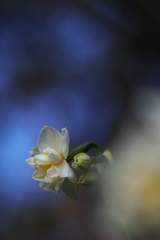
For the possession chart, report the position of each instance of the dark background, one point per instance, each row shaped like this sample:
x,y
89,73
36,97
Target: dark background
x,y
73,64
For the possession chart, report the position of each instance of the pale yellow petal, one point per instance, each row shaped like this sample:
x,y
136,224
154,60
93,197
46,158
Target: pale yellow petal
x,y
31,162
39,175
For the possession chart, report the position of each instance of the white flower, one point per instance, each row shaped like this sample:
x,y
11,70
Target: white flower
x,y
49,158
132,185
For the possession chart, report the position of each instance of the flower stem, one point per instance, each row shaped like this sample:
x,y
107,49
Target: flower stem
x,y
127,235
83,148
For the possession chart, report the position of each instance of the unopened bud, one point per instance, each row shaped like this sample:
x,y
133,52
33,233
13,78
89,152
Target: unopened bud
x,y
82,161
108,155
88,178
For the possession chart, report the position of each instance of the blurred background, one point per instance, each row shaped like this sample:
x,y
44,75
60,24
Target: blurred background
x,y
75,64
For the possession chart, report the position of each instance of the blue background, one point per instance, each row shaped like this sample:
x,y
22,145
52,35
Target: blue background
x,y
73,64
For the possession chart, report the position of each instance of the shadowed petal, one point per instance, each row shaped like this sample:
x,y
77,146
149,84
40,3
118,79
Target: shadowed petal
x,y
73,177
47,179
52,173
39,175
49,138
44,186
56,184
34,151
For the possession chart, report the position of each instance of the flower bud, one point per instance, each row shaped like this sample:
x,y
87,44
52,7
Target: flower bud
x,y
88,178
82,161
108,155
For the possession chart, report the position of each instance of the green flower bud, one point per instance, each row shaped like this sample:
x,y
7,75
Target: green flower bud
x,y
82,161
88,178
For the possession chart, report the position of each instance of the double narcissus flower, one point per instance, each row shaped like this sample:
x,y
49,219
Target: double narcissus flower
x,y
48,157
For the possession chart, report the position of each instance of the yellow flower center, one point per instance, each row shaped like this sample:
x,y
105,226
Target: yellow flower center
x,y
55,163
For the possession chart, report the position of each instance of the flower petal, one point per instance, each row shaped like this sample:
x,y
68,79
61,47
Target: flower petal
x,y
41,157
34,151
39,175
41,163
44,185
31,162
64,170
41,160
73,178
50,150
65,142
56,184
52,173
54,156
49,138
47,179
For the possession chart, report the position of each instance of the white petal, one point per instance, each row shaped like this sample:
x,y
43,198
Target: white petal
x,y
31,162
41,163
34,151
54,160
73,178
44,186
65,142
64,169
47,179
42,157
54,156
56,184
49,138
52,173
50,150
39,175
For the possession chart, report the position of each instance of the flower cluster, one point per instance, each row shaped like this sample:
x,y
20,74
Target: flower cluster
x,y
50,157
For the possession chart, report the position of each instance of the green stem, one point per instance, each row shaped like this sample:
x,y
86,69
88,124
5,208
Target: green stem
x,y
127,235
83,148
